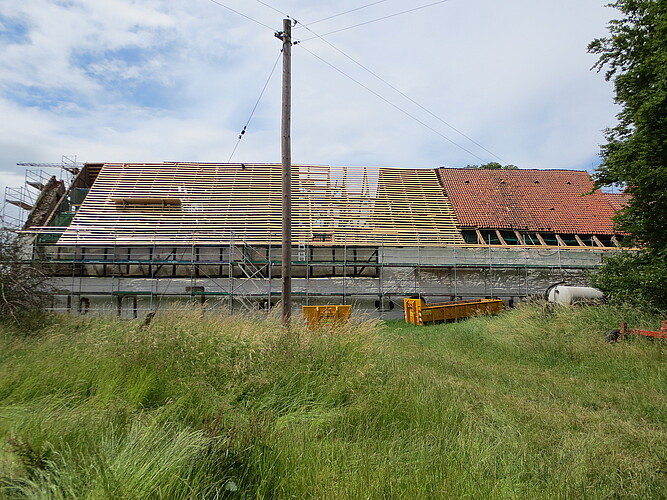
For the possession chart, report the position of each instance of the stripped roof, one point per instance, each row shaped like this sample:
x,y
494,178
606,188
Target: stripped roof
x,y
213,203
530,200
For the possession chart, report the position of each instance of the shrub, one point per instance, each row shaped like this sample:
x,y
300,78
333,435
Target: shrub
x,y
23,284
638,278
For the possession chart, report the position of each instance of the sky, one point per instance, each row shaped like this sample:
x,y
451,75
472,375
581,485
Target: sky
x,y
457,82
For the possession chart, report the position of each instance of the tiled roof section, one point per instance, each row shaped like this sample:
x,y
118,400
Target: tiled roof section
x,y
530,200
617,200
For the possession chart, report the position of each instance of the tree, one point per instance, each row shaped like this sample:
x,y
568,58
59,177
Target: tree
x,y
494,165
635,155
637,278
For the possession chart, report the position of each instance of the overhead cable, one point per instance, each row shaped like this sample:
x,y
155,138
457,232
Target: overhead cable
x,y
346,12
404,95
378,19
243,131
273,8
241,14
395,106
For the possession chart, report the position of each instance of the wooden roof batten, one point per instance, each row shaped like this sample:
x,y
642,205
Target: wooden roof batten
x,y
213,203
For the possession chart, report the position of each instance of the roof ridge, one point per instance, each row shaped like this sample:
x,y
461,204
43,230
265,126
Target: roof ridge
x,y
473,169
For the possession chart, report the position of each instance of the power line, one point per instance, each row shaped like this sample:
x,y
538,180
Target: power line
x,y
273,9
346,12
395,106
359,64
243,131
378,19
242,15
405,95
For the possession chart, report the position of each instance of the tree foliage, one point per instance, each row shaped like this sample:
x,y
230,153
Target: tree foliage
x,y
494,165
637,278
635,155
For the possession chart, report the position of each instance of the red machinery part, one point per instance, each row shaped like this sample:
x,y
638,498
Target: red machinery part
x,y
660,334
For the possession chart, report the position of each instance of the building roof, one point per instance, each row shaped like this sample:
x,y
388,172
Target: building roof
x,y
617,200
212,203
531,200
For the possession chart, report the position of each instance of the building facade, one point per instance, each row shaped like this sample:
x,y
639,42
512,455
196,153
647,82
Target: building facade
x,y
134,237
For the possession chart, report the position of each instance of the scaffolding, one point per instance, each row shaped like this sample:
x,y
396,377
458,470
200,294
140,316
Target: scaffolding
x,y
134,238
19,201
132,280
17,204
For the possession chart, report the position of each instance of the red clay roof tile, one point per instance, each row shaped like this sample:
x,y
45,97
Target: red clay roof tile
x,y
530,200
617,200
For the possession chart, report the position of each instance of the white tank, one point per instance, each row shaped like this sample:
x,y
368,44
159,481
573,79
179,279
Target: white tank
x,y
569,295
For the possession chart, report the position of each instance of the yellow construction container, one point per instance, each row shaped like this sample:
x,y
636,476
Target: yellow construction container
x,y
418,312
316,315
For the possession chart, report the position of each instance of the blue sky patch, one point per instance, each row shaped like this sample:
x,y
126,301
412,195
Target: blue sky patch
x,y
31,96
13,31
148,93
141,89
129,56
588,165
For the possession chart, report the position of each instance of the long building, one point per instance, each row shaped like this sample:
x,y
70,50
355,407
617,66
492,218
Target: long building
x,y
132,237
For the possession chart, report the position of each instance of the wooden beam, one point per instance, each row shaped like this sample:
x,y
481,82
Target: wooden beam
x,y
355,205
480,238
147,201
20,204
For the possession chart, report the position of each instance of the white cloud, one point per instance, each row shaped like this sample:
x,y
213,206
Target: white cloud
x,y
119,80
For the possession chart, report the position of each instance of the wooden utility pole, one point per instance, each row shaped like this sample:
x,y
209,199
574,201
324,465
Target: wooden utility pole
x,y
286,268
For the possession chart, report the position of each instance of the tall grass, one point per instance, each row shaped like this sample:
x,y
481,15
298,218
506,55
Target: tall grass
x,y
105,409
530,404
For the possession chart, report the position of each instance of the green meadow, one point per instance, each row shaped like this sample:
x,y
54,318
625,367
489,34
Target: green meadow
x,y
529,404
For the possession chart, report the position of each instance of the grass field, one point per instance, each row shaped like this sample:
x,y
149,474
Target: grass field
x,y
529,404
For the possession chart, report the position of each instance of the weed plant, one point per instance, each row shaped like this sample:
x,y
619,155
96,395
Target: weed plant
x,y
529,404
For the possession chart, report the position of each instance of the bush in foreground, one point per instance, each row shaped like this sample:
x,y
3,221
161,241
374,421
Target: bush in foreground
x,y
635,277
23,284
